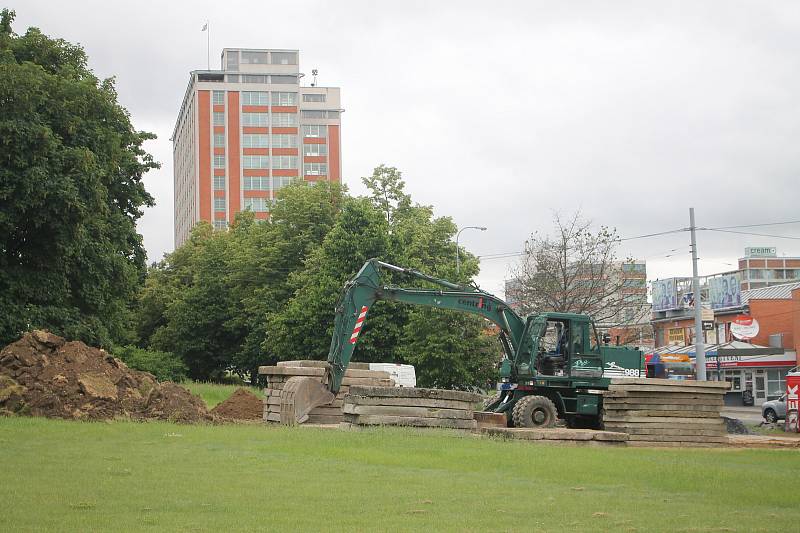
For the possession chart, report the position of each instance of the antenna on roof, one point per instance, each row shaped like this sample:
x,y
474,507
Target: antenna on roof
x,y
314,73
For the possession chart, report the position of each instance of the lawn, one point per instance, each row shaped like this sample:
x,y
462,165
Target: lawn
x,y
122,476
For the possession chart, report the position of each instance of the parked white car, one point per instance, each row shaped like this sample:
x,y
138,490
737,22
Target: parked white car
x,y
774,410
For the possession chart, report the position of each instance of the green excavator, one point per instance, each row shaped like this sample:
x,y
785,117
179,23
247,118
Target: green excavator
x,y
554,365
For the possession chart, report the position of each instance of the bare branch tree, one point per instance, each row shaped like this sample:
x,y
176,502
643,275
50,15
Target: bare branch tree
x,y
576,270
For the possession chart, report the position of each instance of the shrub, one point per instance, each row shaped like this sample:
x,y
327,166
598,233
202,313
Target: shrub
x,y
165,366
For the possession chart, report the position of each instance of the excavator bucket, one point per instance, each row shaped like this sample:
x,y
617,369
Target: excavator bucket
x,y
299,396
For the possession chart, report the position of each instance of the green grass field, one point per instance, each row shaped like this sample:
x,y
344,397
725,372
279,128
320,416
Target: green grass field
x,y
121,476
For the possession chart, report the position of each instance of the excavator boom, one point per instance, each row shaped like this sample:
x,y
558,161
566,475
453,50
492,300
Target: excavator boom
x,y
302,394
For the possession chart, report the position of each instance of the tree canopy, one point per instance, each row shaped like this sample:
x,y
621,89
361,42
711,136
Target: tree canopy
x,y
265,291
71,168
576,269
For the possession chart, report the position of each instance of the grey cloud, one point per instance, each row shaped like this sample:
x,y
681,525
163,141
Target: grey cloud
x,y
498,115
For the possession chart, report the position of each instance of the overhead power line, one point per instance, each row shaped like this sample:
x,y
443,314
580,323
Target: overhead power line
x,y
751,233
756,225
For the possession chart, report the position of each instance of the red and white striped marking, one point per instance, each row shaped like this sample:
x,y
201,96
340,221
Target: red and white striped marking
x,y
359,324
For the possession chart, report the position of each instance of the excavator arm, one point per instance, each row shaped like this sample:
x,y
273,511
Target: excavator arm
x,y
357,297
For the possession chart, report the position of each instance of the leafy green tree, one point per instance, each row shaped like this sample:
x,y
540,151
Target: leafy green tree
x,y
303,328
265,255
164,366
71,167
208,301
449,349
386,187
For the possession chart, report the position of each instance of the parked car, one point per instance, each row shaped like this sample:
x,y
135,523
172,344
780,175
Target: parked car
x,y
774,410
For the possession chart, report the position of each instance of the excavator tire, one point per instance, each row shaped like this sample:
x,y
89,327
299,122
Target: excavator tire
x,y
534,412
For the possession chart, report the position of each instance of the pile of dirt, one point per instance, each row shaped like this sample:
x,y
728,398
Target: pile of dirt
x,y
242,405
44,375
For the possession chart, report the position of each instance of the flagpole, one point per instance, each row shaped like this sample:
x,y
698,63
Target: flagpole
x,y
208,45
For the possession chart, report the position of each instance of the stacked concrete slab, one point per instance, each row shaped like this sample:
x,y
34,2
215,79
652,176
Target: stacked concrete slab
x,y
276,376
374,406
662,412
578,437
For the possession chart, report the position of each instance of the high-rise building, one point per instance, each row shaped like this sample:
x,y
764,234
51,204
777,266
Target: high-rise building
x,y
247,130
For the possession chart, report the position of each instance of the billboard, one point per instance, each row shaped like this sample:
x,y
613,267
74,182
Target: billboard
x,y
665,294
725,291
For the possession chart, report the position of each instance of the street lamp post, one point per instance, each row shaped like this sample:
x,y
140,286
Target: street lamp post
x,y
458,264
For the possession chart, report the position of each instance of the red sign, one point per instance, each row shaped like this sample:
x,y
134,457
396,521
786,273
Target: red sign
x,y
792,393
744,327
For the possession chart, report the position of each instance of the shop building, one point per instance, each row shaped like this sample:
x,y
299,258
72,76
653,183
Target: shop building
x,y
752,344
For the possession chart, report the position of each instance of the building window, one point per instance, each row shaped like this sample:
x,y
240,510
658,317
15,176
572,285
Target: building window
x,y
220,224
284,140
254,58
255,161
260,120
284,98
219,118
634,267
756,274
219,203
284,119
279,182
639,283
255,183
259,140
232,78
319,113
219,140
313,113
284,161
257,205
315,130
283,80
219,183
233,60
776,383
315,169
218,98
254,78
255,98
219,161
317,149
284,58
314,97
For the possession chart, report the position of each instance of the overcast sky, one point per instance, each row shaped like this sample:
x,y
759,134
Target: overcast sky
x,y
501,114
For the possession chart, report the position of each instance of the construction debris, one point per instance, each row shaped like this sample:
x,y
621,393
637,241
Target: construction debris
x,y
44,375
375,406
277,376
585,437
242,405
661,412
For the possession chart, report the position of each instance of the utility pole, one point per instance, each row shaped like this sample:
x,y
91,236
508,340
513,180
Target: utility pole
x,y
699,346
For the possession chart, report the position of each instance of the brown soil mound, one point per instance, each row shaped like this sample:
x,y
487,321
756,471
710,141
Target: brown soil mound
x,y
44,375
242,405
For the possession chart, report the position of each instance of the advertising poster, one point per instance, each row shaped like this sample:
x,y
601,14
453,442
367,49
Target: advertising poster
x,y
665,294
725,291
